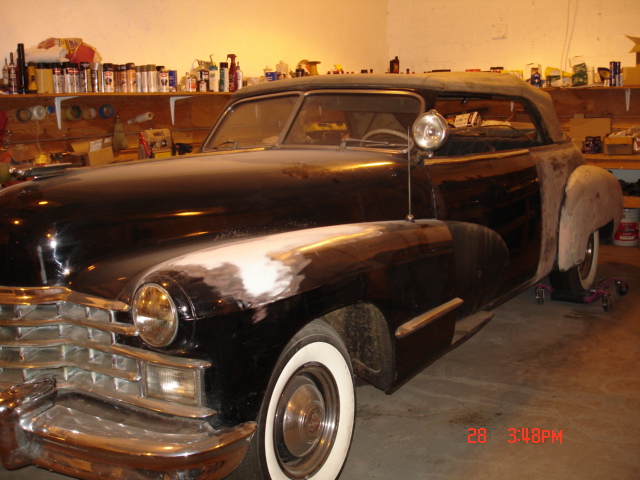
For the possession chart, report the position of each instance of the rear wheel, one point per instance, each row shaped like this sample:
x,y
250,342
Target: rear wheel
x,y
580,278
306,421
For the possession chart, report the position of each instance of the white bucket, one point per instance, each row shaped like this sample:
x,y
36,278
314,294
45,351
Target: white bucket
x,y
627,234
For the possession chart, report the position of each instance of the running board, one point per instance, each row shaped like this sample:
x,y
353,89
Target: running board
x,y
469,326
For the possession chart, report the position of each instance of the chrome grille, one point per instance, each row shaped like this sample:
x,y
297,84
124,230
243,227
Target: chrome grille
x,y
76,343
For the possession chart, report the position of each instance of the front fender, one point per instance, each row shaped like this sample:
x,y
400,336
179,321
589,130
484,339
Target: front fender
x,y
252,273
593,198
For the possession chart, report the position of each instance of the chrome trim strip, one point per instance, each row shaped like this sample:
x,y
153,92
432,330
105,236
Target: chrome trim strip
x,y
419,322
475,157
114,327
41,295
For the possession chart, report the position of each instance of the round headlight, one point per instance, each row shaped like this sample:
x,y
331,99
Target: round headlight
x,y
155,315
430,130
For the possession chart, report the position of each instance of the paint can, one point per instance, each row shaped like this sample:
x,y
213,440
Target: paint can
x,y
627,234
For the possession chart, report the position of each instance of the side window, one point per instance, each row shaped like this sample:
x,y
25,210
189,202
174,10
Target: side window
x,y
484,125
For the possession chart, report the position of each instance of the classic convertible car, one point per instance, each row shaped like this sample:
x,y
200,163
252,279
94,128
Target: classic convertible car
x,y
205,316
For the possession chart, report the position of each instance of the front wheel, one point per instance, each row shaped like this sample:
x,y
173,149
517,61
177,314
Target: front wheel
x,y
307,418
581,277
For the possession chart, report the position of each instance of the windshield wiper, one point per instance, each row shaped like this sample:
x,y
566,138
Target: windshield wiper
x,y
344,141
369,143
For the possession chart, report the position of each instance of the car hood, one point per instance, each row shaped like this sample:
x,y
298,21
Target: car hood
x,y
53,228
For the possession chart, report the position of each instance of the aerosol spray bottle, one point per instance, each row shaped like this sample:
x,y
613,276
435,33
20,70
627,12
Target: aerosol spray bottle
x,y
233,84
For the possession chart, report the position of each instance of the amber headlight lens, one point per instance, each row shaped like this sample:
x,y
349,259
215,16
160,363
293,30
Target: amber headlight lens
x,y
155,315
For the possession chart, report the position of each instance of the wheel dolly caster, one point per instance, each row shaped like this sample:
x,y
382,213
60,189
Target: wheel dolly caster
x,y
598,291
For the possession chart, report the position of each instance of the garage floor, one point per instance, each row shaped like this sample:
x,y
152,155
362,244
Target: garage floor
x,y
569,370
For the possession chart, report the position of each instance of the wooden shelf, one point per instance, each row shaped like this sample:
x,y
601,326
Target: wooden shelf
x,y
631,202
192,117
613,162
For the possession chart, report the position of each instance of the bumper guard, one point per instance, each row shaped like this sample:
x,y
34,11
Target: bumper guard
x,y
37,429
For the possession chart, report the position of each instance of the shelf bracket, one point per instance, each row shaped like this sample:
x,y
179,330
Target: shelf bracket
x,y
58,102
627,97
172,106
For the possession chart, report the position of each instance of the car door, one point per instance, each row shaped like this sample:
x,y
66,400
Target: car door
x,y
485,174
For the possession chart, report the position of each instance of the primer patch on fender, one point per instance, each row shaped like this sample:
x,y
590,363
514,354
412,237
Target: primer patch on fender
x,y
264,269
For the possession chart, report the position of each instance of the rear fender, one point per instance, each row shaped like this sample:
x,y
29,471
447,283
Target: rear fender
x,y
593,198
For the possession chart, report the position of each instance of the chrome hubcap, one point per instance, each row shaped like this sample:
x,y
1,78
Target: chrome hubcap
x,y
585,267
306,421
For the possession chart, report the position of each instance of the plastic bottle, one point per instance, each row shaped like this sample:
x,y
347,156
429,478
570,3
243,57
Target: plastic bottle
x,y
224,77
214,80
5,73
394,65
189,82
269,74
13,75
239,77
282,69
233,85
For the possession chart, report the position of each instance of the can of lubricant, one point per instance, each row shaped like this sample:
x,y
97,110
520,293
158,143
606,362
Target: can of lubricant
x,y
173,80
616,76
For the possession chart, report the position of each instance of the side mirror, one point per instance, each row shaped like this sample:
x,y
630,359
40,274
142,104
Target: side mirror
x,y
430,131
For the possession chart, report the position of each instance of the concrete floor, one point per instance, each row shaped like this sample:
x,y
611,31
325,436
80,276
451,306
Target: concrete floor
x,y
567,368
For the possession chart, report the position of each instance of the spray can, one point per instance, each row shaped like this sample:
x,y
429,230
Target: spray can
x,y
108,78
173,81
58,80
96,77
163,78
152,79
214,79
224,77
130,75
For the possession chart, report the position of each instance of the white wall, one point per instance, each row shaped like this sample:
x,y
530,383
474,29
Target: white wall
x,y
458,34
174,33
425,34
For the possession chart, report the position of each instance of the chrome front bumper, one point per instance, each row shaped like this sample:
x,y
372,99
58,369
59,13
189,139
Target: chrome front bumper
x,y
89,438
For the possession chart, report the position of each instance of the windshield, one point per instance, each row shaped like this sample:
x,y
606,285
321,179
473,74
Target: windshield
x,y
253,124
380,119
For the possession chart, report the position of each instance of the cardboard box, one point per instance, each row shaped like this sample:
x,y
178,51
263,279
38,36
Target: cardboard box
x,y
97,152
631,75
581,128
618,145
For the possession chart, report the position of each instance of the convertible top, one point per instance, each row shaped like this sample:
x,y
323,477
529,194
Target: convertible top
x,y
454,82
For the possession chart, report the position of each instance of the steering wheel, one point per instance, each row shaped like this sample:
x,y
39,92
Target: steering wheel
x,y
387,131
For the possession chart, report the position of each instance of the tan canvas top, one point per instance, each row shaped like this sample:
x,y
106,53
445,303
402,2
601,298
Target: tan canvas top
x,y
455,82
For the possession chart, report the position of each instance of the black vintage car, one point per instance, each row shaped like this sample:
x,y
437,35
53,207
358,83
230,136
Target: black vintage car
x,y
204,316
